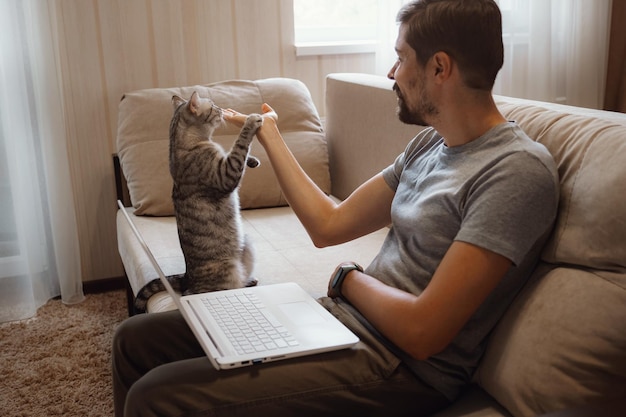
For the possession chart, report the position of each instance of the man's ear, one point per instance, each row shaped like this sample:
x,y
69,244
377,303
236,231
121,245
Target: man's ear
x,y
442,65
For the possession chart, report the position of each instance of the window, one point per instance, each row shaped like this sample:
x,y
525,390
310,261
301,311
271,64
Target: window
x,y
342,26
554,50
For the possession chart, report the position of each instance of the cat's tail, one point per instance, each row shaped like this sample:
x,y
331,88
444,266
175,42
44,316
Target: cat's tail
x,y
155,286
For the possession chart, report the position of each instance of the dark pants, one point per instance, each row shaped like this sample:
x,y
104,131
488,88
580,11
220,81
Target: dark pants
x,y
160,370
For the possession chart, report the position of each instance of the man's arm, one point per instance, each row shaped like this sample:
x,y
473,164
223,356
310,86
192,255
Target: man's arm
x,y
424,325
327,223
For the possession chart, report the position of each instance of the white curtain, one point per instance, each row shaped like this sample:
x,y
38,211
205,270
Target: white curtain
x,y
387,34
555,50
39,255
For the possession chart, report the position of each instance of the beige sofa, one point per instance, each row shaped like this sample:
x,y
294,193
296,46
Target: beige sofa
x,y
562,344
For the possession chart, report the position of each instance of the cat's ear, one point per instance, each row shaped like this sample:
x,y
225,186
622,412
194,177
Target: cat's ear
x,y
177,101
194,103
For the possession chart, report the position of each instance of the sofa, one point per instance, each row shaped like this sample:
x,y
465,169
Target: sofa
x,y
561,346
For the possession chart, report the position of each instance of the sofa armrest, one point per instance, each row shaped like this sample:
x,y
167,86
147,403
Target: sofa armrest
x,y
363,132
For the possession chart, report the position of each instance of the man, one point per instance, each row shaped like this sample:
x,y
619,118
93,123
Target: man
x,y
471,202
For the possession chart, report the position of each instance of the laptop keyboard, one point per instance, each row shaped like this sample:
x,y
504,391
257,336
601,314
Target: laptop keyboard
x,y
249,326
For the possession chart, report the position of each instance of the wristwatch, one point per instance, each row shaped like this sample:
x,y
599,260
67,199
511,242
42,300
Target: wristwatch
x,y
341,273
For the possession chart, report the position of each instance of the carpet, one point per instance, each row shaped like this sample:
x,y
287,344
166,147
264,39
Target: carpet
x,y
59,362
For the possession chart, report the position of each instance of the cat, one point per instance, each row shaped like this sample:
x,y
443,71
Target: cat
x,y
218,254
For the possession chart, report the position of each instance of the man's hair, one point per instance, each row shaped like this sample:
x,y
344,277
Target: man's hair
x,y
470,31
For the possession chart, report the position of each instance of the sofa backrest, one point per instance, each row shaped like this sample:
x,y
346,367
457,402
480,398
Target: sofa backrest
x,y
143,139
363,132
589,147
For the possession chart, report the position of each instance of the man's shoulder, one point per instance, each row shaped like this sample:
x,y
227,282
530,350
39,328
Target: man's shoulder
x,y
519,145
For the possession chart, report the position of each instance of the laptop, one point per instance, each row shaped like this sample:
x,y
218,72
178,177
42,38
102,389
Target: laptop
x,y
254,325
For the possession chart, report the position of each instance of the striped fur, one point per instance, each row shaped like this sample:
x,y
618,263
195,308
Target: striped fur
x,y
206,178
218,255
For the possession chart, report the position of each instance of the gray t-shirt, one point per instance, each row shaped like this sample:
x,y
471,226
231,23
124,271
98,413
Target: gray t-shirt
x,y
499,192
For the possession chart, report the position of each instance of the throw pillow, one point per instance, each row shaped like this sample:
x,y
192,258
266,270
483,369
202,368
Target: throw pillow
x,y
143,139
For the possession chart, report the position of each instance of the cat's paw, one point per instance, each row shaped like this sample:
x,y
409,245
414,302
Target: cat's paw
x,y
252,282
254,121
252,161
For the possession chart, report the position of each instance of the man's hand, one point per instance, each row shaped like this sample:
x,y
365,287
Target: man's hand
x,y
238,119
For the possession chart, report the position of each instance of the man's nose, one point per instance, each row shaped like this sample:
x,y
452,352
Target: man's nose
x,y
392,72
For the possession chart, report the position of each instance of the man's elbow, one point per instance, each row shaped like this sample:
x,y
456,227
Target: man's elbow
x,y
322,240
421,351
421,354
319,242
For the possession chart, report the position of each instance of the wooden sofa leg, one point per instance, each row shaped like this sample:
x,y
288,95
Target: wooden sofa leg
x,y
130,299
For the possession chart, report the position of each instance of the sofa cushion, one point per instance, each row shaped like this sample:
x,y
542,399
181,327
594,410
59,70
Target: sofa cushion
x,y
589,147
473,402
283,251
143,139
561,344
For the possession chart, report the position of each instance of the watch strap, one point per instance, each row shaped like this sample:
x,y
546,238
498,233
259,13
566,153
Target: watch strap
x,y
341,274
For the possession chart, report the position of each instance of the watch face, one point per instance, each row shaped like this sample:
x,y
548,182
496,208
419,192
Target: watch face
x,y
337,277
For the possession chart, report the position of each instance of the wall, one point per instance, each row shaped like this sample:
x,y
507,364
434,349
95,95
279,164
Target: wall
x,y
109,47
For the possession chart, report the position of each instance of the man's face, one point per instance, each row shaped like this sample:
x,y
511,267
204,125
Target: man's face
x,y
414,103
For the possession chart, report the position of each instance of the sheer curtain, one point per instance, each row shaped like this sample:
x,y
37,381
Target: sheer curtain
x,y
387,34
555,50
39,255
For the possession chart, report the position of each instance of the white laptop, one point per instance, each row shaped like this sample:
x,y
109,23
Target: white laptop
x,y
277,321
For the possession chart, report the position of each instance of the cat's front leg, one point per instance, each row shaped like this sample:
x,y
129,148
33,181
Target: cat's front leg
x,y
252,124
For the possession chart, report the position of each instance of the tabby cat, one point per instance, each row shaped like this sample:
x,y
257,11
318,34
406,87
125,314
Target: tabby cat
x,y
218,255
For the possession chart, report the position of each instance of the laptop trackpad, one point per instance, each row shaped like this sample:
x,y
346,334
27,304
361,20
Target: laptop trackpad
x,y
301,313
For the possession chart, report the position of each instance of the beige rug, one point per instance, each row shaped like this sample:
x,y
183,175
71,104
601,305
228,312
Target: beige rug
x,y
59,362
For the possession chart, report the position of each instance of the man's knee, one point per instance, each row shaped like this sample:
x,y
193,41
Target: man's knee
x,y
123,330
126,335
141,398
164,391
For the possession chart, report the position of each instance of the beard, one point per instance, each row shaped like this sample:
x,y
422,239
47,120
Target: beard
x,y
418,116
